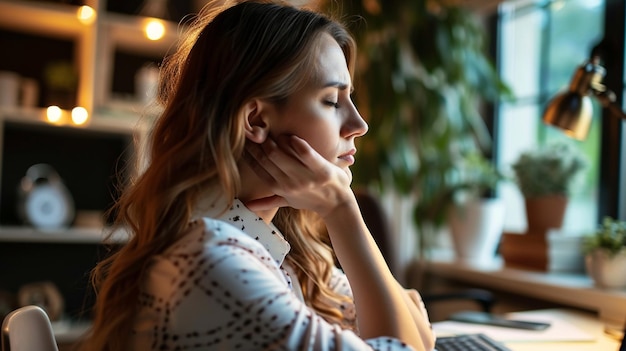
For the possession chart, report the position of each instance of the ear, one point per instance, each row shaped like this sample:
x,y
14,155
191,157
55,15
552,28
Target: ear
x,y
256,121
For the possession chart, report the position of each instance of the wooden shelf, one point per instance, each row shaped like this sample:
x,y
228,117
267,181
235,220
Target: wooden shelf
x,y
570,289
68,236
37,116
40,17
127,32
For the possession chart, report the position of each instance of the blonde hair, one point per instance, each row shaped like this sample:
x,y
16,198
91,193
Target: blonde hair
x,y
254,49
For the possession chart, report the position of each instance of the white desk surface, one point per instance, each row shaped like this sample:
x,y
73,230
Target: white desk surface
x,y
571,324
590,331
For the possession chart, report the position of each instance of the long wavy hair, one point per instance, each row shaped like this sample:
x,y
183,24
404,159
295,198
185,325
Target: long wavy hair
x,y
228,55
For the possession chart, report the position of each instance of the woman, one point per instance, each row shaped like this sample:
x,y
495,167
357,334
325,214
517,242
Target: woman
x,y
246,181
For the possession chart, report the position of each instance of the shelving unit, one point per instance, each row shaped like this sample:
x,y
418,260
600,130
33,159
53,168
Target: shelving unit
x,y
65,256
95,41
95,45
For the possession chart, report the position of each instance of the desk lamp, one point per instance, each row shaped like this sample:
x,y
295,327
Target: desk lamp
x,y
571,111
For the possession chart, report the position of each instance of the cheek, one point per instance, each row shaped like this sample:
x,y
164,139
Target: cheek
x,y
314,126
323,139
319,136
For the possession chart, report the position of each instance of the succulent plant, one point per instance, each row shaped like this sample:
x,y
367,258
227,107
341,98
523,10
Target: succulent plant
x,y
549,170
610,235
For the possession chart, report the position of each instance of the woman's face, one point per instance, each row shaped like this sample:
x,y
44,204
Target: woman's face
x,y
322,113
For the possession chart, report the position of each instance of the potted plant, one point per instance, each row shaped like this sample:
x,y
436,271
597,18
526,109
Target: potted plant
x,y
423,74
605,254
545,177
476,218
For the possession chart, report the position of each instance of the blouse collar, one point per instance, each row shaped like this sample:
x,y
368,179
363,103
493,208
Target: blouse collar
x,y
247,221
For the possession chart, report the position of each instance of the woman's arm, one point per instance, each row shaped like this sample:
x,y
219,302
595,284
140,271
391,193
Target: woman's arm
x,y
383,306
299,177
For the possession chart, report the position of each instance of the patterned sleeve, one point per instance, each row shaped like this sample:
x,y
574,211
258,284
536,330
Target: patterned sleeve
x,y
340,284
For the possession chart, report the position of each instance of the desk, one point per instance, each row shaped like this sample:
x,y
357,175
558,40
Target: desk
x,y
585,321
572,290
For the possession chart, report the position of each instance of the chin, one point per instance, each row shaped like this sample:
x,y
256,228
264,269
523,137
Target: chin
x,y
349,173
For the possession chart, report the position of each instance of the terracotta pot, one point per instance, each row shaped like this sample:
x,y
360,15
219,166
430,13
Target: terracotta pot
x,y
607,271
544,213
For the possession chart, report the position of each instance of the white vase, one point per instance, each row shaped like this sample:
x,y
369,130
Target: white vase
x,y
607,271
476,228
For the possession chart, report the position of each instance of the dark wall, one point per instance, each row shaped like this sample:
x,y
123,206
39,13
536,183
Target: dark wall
x,y
92,164
66,265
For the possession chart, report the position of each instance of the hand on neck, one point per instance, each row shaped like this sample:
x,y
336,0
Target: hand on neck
x,y
253,189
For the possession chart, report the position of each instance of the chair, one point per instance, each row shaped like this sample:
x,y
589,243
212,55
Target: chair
x,y
376,220
28,328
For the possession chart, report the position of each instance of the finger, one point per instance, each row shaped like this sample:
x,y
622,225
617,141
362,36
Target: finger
x,y
282,153
276,167
266,203
315,166
261,164
301,150
281,160
252,161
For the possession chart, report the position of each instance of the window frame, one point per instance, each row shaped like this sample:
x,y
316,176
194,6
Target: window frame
x,y
611,198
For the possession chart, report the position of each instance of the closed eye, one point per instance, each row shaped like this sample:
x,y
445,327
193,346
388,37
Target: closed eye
x,y
332,103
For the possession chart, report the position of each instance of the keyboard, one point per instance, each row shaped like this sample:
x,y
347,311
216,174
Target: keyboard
x,y
469,342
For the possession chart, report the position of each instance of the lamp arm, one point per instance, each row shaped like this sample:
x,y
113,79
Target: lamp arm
x,y
607,99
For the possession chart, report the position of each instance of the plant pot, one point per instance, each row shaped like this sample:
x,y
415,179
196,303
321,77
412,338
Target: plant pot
x,y
476,227
607,271
544,213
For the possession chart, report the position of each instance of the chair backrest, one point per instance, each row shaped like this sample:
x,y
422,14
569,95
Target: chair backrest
x,y
28,328
377,222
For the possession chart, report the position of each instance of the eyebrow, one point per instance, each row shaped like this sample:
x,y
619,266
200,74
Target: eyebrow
x,y
339,85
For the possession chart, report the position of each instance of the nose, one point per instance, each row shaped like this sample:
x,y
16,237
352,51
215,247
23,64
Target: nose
x,y
354,125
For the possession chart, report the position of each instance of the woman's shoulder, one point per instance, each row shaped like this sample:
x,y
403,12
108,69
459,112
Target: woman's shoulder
x,y
209,232
207,241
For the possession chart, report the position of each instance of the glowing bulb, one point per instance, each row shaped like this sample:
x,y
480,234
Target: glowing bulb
x,y
86,14
79,115
154,29
53,114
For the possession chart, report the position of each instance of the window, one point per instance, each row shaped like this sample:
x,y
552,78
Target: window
x,y
540,45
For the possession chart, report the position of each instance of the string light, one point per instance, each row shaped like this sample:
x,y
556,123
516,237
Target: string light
x,y
86,14
54,114
154,29
79,115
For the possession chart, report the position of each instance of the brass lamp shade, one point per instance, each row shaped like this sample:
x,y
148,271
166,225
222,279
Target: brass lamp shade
x,y
570,112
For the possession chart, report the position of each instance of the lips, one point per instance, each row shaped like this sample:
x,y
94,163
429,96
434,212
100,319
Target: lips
x,y
348,157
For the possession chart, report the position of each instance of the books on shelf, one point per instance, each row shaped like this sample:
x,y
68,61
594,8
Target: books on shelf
x,y
524,250
553,251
